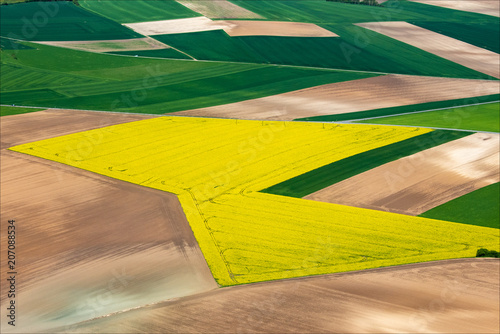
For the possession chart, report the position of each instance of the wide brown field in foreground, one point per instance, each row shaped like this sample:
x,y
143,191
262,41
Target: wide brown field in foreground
x,y
465,54
488,7
422,181
350,96
453,296
88,245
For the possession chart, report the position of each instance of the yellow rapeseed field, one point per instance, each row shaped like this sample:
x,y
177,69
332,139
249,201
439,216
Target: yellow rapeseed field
x,y
217,168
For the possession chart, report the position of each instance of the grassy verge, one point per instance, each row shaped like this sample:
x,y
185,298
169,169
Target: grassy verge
x,y
327,175
480,207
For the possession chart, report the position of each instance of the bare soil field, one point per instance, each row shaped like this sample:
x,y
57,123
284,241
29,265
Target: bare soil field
x,y
488,7
177,26
453,296
219,9
88,245
351,96
465,54
25,128
136,44
274,28
422,181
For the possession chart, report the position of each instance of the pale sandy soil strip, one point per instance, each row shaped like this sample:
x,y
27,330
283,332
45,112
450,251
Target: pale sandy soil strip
x,y
25,128
274,28
454,296
488,7
422,181
232,28
136,44
465,54
351,96
177,26
219,9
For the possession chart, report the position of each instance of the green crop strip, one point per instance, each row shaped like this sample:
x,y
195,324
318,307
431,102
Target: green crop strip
x,y
337,171
479,207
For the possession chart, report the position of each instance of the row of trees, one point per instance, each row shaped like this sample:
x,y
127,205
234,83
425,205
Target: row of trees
x,y
11,2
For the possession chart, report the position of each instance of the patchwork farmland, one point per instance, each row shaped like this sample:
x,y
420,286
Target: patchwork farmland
x,y
249,166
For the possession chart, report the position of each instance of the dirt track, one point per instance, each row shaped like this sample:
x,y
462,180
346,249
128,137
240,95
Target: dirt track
x,y
422,181
454,296
357,95
88,245
465,54
488,7
25,128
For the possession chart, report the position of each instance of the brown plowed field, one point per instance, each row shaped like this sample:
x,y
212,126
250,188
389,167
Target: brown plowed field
x,y
274,28
136,44
350,96
88,245
465,54
25,128
422,181
454,296
488,7
219,9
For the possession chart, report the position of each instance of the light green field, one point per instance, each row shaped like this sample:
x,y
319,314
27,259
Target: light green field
x,y
6,111
46,76
130,11
484,117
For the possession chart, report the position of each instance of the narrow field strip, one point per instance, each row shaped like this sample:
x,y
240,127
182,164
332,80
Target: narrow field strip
x,y
326,176
337,101
487,7
468,55
419,182
219,9
217,167
145,43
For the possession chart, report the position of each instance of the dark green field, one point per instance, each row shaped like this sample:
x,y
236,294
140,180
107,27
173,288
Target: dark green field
x,y
402,109
480,207
64,78
129,11
484,117
58,21
382,54
337,171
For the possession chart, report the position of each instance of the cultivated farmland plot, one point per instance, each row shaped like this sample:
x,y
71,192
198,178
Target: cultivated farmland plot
x,y
249,166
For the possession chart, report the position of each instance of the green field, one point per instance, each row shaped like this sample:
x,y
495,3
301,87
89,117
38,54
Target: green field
x,y
483,35
6,111
108,82
402,109
484,117
129,11
58,21
162,53
337,171
480,207
382,54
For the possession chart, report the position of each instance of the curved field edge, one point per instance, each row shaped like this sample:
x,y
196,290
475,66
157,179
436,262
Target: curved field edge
x,y
337,171
428,106
480,207
247,236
